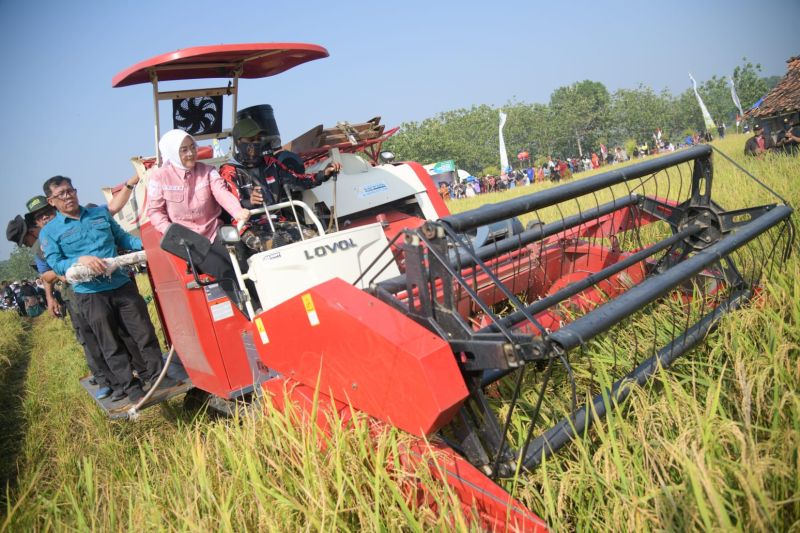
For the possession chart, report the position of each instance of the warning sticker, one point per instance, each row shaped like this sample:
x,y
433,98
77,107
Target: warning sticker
x,y
313,319
221,311
261,331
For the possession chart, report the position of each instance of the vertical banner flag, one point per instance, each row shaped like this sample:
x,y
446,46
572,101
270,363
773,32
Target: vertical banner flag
x,y
735,97
503,155
709,122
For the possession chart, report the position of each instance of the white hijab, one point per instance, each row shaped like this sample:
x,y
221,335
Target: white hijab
x,y
170,145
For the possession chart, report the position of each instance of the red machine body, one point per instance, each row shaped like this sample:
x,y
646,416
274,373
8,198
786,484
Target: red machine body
x,y
349,349
335,342
344,348
332,348
206,347
362,352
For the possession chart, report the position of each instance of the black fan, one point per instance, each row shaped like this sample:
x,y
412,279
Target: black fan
x,y
198,116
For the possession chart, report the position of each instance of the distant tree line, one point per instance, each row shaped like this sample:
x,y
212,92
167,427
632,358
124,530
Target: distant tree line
x,y
18,265
577,119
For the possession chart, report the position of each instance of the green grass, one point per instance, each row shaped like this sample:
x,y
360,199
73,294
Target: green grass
x,y
184,470
711,444
14,360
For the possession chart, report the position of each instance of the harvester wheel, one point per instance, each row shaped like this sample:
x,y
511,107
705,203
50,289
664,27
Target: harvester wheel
x,y
195,399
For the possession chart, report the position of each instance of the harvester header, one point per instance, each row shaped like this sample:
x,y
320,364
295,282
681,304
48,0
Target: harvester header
x,y
485,333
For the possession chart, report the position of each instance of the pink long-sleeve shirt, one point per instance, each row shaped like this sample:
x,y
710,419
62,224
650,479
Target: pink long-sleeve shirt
x,y
193,198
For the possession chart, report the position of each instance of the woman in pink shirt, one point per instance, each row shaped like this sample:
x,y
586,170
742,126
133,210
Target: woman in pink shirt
x,y
192,194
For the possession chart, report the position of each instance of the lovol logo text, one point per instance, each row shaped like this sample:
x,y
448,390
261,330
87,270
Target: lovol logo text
x,y
322,251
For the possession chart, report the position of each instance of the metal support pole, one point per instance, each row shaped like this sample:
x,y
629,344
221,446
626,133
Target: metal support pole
x,y
154,81
235,97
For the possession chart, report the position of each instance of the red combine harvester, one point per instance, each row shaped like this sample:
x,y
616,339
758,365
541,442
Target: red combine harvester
x,y
469,331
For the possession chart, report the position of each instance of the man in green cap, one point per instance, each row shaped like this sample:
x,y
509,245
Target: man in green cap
x,y
40,213
24,230
37,207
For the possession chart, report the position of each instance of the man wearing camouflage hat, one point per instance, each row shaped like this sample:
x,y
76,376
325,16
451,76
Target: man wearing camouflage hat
x,y
39,213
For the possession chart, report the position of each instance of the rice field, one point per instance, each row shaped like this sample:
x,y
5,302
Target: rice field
x,y
711,444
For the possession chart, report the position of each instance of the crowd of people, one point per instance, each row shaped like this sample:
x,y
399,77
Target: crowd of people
x,y
554,169
785,141
26,297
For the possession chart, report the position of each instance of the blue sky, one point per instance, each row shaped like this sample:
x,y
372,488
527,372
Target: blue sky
x,y
402,60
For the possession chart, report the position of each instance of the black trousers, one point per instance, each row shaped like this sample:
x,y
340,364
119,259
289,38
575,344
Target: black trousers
x,y
110,312
218,264
91,350
94,355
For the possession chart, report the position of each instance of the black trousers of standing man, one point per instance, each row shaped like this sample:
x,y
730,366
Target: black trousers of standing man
x,y
107,313
94,357
91,349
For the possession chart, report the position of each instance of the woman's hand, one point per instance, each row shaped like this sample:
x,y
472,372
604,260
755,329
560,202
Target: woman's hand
x,y
243,215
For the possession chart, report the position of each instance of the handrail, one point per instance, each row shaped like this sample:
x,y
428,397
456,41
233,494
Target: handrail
x,y
289,203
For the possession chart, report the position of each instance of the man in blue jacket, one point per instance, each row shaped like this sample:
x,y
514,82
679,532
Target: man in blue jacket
x,y
87,236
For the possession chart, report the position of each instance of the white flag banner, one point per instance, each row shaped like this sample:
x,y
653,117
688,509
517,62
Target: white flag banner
x,y
735,97
503,154
709,122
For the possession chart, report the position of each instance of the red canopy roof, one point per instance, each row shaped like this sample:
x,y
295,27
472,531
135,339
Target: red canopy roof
x,y
257,60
